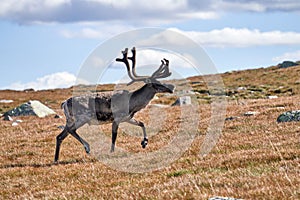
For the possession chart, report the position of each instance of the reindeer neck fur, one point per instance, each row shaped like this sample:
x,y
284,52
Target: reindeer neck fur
x,y
140,98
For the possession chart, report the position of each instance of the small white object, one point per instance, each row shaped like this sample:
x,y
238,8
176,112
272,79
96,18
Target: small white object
x,y
155,97
272,97
223,198
159,105
241,88
250,113
6,101
184,100
19,121
14,124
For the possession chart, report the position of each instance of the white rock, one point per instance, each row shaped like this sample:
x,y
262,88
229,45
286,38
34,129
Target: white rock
x,y
159,105
272,97
6,101
223,198
241,88
250,113
184,100
40,109
14,124
8,118
155,97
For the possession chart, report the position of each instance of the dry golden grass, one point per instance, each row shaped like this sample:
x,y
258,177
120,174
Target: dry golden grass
x,y
255,158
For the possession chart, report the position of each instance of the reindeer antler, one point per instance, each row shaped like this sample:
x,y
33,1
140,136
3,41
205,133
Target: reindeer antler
x,y
161,72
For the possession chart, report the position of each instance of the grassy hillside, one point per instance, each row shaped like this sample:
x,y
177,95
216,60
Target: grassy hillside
x,y
255,158
255,83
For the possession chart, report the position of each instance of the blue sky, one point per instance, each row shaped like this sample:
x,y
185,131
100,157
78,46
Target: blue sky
x,y
44,43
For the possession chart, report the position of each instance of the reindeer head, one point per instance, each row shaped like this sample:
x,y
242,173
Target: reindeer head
x,y
150,81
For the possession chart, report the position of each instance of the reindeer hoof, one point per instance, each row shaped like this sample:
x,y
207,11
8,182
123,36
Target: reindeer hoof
x,y
112,148
87,149
144,142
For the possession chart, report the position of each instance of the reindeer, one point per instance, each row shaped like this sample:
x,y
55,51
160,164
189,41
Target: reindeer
x,y
113,107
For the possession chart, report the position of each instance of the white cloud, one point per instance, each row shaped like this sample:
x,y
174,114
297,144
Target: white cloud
x,y
156,11
220,38
227,37
62,11
246,5
244,37
290,56
51,81
154,57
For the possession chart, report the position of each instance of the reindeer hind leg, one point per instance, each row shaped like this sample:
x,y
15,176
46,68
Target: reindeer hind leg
x,y
82,141
59,140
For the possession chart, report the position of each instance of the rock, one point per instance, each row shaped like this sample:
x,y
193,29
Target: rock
x,y
289,116
31,108
14,124
231,118
250,113
287,64
6,101
19,121
7,118
196,82
272,97
29,90
184,100
155,97
57,116
241,89
159,105
61,127
223,198
187,92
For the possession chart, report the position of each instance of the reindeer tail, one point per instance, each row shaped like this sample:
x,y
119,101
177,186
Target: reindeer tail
x,y
65,107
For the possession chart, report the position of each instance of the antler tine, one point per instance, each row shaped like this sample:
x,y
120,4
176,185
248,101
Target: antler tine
x,y
166,71
125,61
132,58
163,71
132,76
159,69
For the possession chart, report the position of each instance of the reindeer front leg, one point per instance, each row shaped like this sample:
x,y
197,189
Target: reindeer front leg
x,y
140,124
115,126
